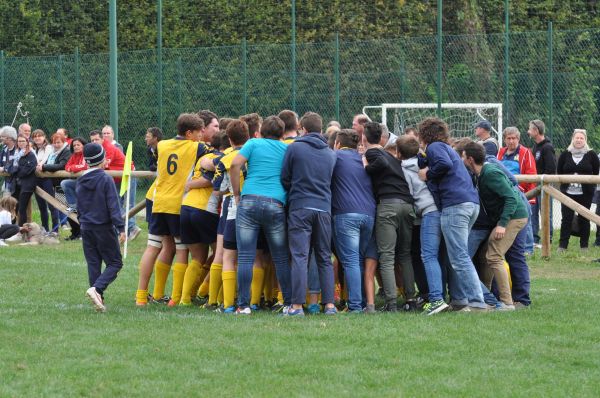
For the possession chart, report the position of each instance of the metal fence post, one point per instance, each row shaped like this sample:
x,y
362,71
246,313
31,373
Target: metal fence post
x,y
179,85
337,76
245,75
550,81
506,61
2,99
159,61
439,58
293,48
402,83
113,67
60,92
77,93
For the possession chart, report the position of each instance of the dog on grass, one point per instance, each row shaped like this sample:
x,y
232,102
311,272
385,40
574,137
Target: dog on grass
x,y
32,235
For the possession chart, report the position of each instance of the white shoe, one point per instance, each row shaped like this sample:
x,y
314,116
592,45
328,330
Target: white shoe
x,y
96,299
15,238
135,231
3,243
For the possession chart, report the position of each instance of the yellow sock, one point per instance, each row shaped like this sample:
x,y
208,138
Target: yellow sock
x,y
161,273
280,297
204,270
215,283
191,275
256,288
204,287
229,278
220,296
178,277
141,297
345,293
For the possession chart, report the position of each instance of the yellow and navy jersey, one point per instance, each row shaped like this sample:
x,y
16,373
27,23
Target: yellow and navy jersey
x,y
176,160
150,193
222,182
289,140
202,198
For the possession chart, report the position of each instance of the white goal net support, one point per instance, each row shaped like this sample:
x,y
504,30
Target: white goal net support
x,y
461,118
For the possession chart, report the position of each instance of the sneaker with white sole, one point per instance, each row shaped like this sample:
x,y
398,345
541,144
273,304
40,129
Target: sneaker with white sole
x,y
134,233
15,238
3,243
435,307
96,299
243,311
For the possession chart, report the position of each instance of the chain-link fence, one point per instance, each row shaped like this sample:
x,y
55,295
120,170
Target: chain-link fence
x,y
333,78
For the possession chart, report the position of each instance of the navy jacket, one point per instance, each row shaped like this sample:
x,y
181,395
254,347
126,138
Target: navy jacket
x,y
98,201
447,170
306,173
25,172
351,186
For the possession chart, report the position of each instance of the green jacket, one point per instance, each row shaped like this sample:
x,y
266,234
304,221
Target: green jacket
x,y
499,199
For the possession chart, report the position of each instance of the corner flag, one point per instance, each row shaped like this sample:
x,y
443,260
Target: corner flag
x,y
126,170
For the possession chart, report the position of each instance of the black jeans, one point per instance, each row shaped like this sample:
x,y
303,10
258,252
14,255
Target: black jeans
x,y
567,222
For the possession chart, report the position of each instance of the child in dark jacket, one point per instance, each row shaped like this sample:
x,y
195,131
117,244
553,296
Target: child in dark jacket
x,y
99,217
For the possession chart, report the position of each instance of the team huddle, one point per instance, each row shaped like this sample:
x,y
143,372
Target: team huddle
x,y
249,213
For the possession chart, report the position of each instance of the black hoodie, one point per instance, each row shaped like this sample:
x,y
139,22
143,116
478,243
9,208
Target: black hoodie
x,y
98,201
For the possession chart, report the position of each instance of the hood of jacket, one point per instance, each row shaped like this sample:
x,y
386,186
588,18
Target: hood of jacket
x,y
315,140
411,164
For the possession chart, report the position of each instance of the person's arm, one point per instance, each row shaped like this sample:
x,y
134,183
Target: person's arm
x,y
550,166
527,166
376,161
439,163
207,164
61,160
27,165
286,169
112,202
234,174
595,163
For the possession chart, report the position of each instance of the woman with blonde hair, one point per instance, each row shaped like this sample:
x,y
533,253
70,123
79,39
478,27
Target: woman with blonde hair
x,y
578,159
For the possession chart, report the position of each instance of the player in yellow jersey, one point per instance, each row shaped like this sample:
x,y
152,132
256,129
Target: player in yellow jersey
x,y
290,120
176,160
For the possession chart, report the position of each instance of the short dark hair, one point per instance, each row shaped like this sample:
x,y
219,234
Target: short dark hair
x,y
207,116
411,130
224,122
223,139
407,146
290,119
253,120
189,122
362,119
433,129
237,132
81,140
476,151
459,145
156,132
373,132
347,138
331,138
95,132
312,122
272,127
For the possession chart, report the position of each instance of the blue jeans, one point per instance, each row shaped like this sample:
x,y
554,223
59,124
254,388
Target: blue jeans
x,y
68,187
456,223
519,271
256,213
476,238
431,237
314,285
352,233
308,229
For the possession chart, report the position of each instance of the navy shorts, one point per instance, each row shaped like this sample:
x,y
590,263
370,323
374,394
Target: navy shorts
x,y
149,204
223,218
229,238
163,224
198,226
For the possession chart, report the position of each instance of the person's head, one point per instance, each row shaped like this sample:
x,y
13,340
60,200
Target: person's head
x,y
407,147
433,129
335,123
411,131
77,144
238,133
190,126
372,133
346,138
63,131
96,137
39,139
94,155
358,123
25,129
482,129
272,128
473,156
536,130
579,140
290,119
311,122
153,136
211,124
331,132
58,141
224,122
9,204
459,144
385,135
253,121
22,142
511,137
223,139
9,136
108,133
331,137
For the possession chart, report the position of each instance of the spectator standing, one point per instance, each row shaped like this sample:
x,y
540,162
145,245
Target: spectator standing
x,y
7,155
483,132
23,168
43,150
578,159
153,136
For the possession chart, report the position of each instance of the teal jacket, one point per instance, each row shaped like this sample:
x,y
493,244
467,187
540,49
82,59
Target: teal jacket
x,y
498,196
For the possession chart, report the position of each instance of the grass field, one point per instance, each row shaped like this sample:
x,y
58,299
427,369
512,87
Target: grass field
x,y
53,344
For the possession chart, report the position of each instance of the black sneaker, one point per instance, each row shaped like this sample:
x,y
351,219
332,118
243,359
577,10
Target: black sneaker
x,y
389,307
410,306
199,300
163,300
73,237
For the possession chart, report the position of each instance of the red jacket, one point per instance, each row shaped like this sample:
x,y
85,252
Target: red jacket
x,y
76,163
526,166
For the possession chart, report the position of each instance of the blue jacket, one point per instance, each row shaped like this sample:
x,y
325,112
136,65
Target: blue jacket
x,y
98,202
351,188
448,172
306,173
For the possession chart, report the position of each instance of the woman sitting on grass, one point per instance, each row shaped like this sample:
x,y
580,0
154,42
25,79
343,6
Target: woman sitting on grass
x,y
8,214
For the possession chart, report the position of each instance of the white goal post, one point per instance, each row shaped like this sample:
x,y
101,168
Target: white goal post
x,y
461,117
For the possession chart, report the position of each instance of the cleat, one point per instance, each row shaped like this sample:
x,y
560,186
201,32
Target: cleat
x,y
243,311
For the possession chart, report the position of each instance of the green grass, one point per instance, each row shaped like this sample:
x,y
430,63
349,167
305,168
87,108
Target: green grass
x,y
53,344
